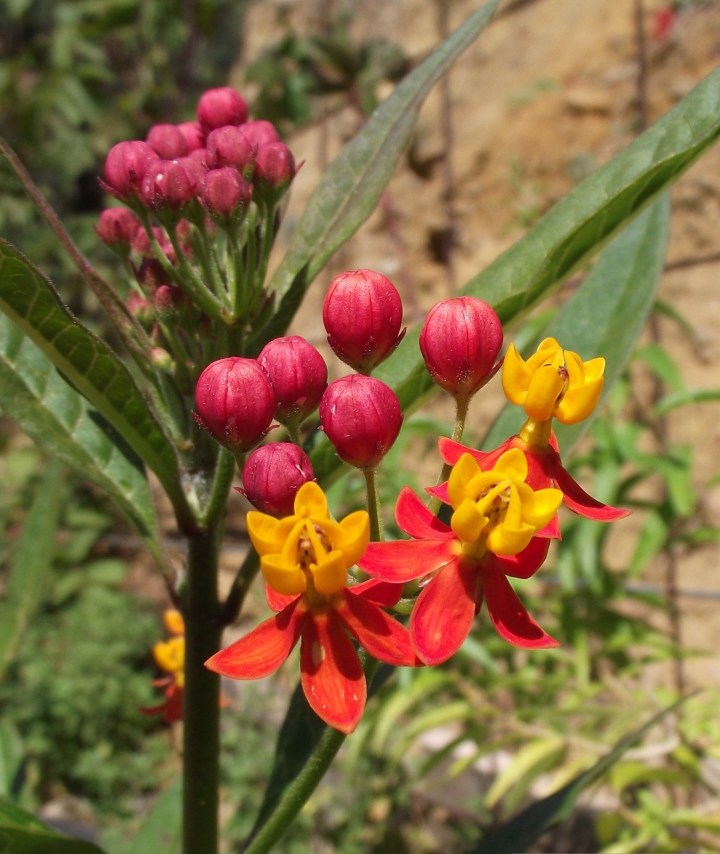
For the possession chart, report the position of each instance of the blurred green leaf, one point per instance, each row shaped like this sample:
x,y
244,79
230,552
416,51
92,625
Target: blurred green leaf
x,y
662,364
162,829
350,188
31,563
22,833
650,542
88,363
61,422
685,398
519,833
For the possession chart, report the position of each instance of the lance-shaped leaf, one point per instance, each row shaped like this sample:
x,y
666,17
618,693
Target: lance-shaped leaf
x,y
30,564
22,833
64,424
578,225
350,188
605,316
31,302
525,827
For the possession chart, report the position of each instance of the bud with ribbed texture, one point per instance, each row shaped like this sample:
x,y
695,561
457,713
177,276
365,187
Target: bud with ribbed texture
x,y
235,402
362,314
228,146
298,375
117,228
272,476
226,195
125,167
168,141
362,418
274,170
221,106
460,343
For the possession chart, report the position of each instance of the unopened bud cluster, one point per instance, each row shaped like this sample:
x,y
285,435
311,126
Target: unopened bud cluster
x,y
237,399
199,208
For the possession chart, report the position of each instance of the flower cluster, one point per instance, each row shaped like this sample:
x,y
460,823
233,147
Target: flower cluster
x,y
169,656
200,202
326,580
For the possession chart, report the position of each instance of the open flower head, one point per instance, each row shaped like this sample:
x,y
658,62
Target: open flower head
x,y
492,535
553,382
169,656
305,560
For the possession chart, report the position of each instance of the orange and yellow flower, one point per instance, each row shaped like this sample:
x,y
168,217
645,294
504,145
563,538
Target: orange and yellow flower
x,y
305,560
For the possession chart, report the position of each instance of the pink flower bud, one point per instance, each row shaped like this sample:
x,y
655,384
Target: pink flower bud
x,y
125,167
167,299
167,186
298,375
141,309
362,418
260,132
362,314
151,275
460,342
235,402
195,168
272,476
117,227
194,137
222,106
225,194
168,141
274,170
228,146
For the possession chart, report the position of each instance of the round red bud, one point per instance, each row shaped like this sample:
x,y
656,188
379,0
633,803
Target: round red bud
x,y
194,137
125,167
221,106
228,146
274,170
168,141
235,402
362,314
117,228
272,476
298,375
225,194
362,418
167,186
260,132
460,343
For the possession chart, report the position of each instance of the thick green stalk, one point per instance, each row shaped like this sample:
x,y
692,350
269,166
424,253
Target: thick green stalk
x,y
298,792
201,736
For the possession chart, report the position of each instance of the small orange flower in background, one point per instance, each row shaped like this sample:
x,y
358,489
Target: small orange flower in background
x,y
169,656
305,558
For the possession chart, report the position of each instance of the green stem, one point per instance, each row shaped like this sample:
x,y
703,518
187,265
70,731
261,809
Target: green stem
x,y
297,793
201,735
373,504
461,411
224,473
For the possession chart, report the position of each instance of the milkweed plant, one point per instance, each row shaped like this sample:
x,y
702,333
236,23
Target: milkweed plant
x,y
211,393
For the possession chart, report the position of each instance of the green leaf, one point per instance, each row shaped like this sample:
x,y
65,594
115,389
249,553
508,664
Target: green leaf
x,y
607,313
31,563
525,827
22,833
355,180
162,829
62,422
575,228
662,364
685,398
31,302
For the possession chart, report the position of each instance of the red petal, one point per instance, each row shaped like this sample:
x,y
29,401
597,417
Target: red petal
x,y
509,616
261,652
278,601
444,611
451,451
415,519
403,560
384,638
577,500
381,592
525,564
551,531
332,677
440,491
